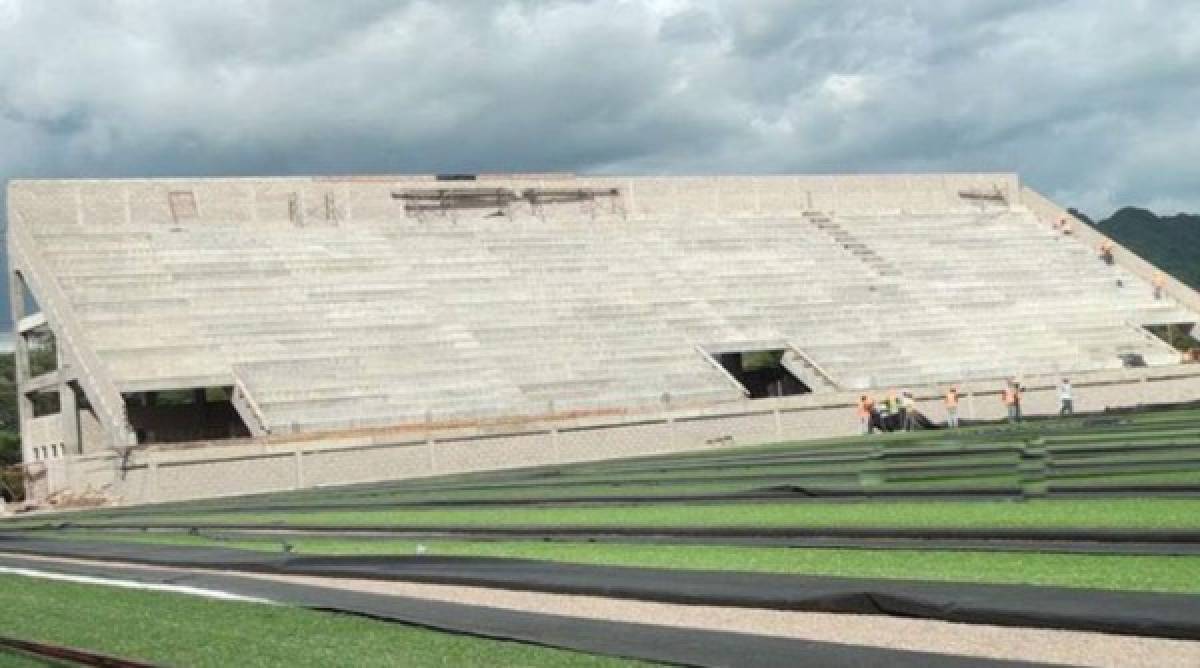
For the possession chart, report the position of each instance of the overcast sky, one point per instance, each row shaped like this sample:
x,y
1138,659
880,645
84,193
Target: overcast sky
x,y
1093,101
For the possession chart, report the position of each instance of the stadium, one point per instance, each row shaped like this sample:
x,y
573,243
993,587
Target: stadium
x,y
549,419
301,332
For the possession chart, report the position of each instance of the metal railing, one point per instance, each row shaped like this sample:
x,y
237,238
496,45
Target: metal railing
x,y
239,387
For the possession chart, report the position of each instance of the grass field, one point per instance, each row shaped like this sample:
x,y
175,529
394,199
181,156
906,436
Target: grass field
x,y
1158,451
180,630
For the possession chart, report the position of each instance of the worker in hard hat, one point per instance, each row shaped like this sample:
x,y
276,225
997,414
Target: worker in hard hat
x,y
952,407
1012,401
866,409
1065,398
909,410
1106,251
1160,284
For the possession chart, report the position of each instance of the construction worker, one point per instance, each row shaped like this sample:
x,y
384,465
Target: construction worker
x,y
896,409
1017,392
952,407
908,408
1106,251
883,416
1066,401
1160,282
864,414
1012,401
1065,226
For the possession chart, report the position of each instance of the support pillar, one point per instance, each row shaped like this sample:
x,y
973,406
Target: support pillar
x,y
299,458
16,300
69,418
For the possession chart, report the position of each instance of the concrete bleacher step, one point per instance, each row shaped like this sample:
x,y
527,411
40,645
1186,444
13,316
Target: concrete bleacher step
x,y
392,317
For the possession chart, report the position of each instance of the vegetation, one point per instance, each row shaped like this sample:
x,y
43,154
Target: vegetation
x,y
11,487
180,630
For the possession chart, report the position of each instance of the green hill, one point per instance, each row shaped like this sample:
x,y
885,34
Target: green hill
x,y
1169,242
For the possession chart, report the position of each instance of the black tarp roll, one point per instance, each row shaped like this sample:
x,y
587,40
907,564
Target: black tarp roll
x,y
1131,613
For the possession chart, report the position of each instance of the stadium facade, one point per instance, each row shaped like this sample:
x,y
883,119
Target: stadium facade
x,y
190,338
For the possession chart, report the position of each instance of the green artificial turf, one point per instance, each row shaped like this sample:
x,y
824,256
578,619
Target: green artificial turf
x,y
939,460
184,630
1140,573
1132,478
1127,513
15,659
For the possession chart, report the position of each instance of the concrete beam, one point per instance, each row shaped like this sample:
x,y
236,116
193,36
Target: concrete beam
x,y
31,322
42,382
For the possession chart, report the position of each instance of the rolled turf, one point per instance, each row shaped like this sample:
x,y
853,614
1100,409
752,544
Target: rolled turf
x,y
1136,513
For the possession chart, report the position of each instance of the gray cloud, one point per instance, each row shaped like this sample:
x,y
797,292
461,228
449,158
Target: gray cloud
x,y
1090,101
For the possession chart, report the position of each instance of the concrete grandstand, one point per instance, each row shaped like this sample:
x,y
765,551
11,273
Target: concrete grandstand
x,y
221,336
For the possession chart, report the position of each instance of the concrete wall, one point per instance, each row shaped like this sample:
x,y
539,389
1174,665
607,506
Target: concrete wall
x,y
41,432
198,471
339,200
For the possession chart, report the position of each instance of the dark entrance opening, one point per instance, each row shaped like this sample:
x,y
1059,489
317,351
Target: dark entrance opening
x,y
188,414
762,373
1180,335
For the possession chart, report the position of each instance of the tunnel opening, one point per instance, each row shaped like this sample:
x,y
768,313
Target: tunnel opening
x,y
762,373
184,414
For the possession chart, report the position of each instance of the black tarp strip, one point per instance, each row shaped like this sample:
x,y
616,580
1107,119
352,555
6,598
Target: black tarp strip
x,y
1164,536
678,646
1131,613
277,537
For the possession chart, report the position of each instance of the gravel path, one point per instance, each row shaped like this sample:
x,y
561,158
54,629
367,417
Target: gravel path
x,y
1038,645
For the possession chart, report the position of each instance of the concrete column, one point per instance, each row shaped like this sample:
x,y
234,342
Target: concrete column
x,y
299,458
69,417
16,298
151,478
778,415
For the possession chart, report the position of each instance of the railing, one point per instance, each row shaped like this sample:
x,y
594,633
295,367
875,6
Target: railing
x,y
239,386
724,372
825,375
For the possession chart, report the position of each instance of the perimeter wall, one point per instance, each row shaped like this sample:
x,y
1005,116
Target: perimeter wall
x,y
155,473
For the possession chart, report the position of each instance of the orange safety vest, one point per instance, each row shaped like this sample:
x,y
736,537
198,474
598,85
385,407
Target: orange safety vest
x,y
865,406
951,399
1010,396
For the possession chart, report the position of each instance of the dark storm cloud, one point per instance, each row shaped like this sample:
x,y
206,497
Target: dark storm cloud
x,y
1091,102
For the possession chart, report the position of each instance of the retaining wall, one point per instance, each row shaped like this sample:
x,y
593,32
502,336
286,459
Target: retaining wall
x,y
211,470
